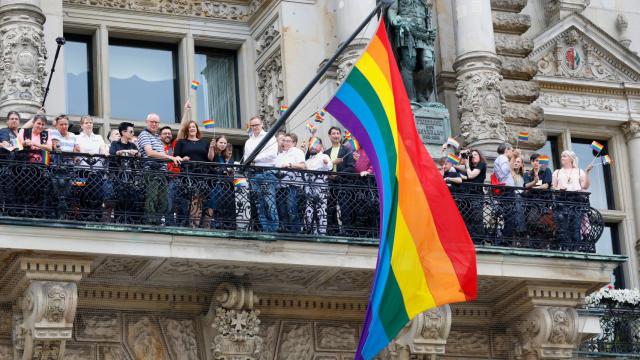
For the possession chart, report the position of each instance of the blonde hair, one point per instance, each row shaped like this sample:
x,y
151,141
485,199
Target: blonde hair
x,y
85,118
573,156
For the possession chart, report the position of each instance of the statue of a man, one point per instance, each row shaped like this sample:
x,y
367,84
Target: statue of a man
x,y
413,39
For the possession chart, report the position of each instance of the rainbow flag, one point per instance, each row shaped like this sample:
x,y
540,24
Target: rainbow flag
x,y
543,160
452,158
312,128
607,160
313,142
596,146
320,115
240,182
283,109
46,157
523,136
209,124
354,144
195,85
452,142
426,257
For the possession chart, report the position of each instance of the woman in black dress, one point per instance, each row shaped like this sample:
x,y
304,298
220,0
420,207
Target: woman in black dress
x,y
194,150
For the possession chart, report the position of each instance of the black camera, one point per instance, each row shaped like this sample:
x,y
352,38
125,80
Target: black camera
x,y
464,154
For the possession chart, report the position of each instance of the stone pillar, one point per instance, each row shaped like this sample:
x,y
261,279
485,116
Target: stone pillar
x,y
631,130
479,83
349,14
23,73
48,306
231,326
424,337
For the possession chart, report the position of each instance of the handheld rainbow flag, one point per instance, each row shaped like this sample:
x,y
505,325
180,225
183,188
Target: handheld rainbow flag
x,y
426,257
354,144
313,142
209,124
543,160
19,144
607,160
283,109
347,135
523,136
312,128
452,158
46,158
452,142
596,146
240,182
195,85
320,116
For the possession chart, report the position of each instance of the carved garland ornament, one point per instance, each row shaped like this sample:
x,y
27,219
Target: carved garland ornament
x,y
270,88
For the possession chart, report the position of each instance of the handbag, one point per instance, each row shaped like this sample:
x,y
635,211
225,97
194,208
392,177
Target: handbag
x,y
495,182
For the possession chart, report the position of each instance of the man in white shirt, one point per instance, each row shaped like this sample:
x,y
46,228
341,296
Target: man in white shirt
x,y
263,184
316,191
291,158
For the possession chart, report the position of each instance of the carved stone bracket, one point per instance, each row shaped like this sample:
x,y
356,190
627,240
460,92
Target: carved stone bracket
x,y
234,322
270,88
631,130
426,334
547,332
22,57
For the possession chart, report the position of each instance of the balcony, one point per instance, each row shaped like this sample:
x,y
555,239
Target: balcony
x,y
620,333
132,194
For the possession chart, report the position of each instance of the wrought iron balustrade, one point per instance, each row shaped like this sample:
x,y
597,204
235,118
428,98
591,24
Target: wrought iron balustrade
x,y
130,191
620,335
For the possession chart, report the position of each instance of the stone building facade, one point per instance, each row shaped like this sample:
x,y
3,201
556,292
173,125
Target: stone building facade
x,y
503,66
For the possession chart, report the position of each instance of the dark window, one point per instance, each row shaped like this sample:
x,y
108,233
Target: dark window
x,y
78,73
609,244
601,183
550,149
143,79
216,71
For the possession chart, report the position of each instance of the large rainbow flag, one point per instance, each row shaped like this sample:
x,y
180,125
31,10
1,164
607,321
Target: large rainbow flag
x,y
426,257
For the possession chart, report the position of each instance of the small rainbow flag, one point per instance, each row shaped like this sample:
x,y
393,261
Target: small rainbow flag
x,y
607,160
543,160
240,182
596,146
452,142
46,157
283,109
355,145
347,135
313,142
312,128
209,124
19,144
523,136
320,116
195,85
452,158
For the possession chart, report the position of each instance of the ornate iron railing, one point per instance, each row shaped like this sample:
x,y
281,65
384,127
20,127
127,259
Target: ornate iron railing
x,y
620,335
132,191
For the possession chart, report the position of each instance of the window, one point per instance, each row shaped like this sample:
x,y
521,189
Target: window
x,y
78,75
601,185
609,244
143,79
218,95
550,149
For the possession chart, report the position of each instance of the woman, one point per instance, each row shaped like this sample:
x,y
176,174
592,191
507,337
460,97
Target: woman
x,y
474,174
191,147
37,142
221,199
517,171
572,182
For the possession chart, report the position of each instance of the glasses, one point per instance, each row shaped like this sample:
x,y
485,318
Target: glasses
x,y
255,125
129,131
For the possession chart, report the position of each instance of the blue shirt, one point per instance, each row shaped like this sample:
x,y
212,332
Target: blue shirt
x,y
502,169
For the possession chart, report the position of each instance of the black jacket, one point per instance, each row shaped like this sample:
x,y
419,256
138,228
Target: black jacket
x,y
349,164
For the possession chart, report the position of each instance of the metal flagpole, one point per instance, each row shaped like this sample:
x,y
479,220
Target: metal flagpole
x,y
60,41
283,118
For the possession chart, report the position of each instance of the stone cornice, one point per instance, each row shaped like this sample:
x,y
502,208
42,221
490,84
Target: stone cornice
x,y
631,130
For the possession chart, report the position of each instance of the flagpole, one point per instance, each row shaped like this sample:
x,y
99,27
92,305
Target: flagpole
x,y
248,158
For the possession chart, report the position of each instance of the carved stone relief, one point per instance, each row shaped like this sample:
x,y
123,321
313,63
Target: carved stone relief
x,y
269,331
199,8
269,36
127,267
349,280
296,342
462,342
581,102
5,352
631,129
144,340
270,88
181,338
112,353
547,332
332,337
22,59
237,334
79,353
104,327
5,324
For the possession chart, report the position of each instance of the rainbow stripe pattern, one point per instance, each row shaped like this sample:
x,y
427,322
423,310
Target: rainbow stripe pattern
x,y
195,85
320,115
426,257
453,142
523,136
209,124
283,109
240,182
452,158
607,160
313,142
46,157
596,146
543,160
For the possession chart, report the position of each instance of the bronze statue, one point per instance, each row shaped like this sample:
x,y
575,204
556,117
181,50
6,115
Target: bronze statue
x,y
413,38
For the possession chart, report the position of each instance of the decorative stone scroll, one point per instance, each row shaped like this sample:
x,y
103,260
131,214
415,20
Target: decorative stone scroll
x,y
426,334
547,332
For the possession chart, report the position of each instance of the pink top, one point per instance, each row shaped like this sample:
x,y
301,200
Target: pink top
x,y
36,155
363,163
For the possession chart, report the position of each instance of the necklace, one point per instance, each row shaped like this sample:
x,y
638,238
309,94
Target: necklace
x,y
570,177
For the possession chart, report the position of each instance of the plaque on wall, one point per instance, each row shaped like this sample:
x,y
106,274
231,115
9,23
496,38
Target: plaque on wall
x,y
432,123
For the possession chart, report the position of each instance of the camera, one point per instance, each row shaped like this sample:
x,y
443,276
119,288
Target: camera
x,y
464,154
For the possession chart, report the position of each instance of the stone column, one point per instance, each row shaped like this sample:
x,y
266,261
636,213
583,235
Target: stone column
x,y
349,14
479,83
424,337
22,59
631,130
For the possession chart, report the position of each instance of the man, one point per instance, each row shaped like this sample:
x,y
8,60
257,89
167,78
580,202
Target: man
x,y
280,139
152,149
502,172
316,191
451,176
61,138
177,204
263,184
539,177
291,158
339,209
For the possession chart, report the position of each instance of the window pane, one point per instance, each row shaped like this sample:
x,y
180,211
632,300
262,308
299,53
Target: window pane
x,y
142,80
77,77
550,149
609,244
600,175
217,93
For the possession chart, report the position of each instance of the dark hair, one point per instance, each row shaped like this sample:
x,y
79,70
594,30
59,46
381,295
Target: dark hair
x,y
503,147
60,117
40,117
165,128
334,128
482,159
293,137
534,157
442,161
124,126
13,113
281,132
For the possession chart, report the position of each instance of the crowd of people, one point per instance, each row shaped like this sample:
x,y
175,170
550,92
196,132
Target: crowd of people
x,y
513,185
280,194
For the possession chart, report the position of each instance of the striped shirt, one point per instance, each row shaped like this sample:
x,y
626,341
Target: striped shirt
x,y
147,138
